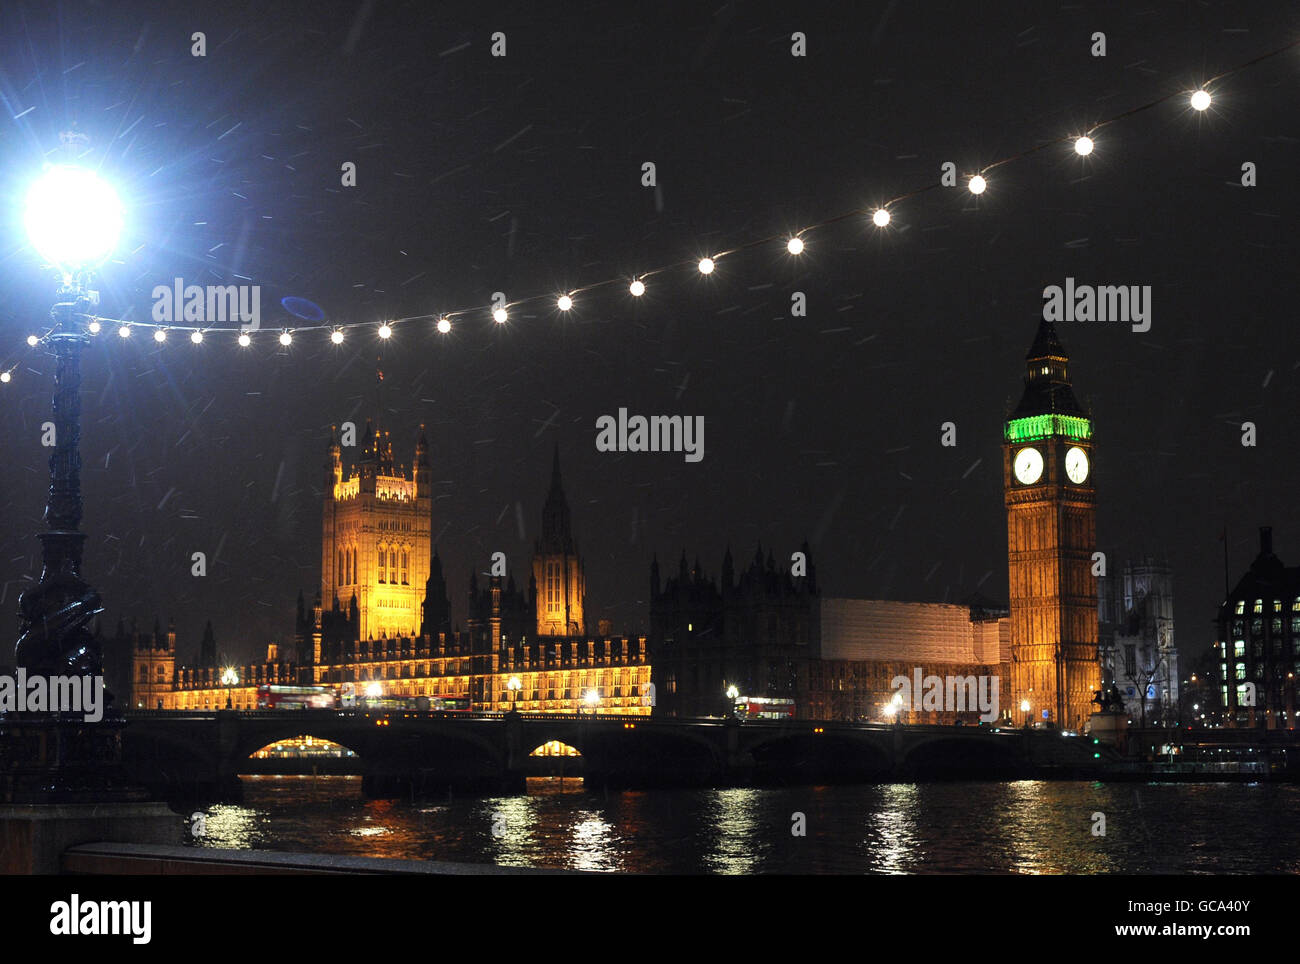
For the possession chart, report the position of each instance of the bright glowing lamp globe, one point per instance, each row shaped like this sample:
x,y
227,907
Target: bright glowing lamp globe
x,y
73,217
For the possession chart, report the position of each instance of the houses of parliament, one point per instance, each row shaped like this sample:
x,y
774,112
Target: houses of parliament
x,y
381,614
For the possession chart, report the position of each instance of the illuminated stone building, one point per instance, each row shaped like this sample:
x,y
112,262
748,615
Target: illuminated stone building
x,y
1051,538
375,536
153,664
771,634
387,616
1258,642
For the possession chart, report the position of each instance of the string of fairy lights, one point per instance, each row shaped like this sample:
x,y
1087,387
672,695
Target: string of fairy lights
x,y
976,183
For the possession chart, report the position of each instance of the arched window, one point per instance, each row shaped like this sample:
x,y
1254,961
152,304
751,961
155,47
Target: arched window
x,y
392,566
144,674
552,587
339,574
383,563
405,564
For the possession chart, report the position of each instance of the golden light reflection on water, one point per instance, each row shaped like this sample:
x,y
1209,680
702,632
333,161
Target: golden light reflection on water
x,y
1027,827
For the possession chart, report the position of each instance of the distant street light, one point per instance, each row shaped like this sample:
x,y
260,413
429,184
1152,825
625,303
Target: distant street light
x,y
514,685
1025,707
229,679
592,699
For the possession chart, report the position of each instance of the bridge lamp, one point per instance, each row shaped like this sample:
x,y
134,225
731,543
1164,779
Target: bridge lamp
x,y
374,690
732,692
592,699
1025,708
514,685
229,679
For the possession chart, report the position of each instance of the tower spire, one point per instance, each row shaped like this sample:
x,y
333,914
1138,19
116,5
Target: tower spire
x,y
1047,377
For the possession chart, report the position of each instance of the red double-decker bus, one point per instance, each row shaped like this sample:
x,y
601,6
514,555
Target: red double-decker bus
x,y
764,708
273,696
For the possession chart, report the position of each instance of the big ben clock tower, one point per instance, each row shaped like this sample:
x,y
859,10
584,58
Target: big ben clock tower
x,y
1047,475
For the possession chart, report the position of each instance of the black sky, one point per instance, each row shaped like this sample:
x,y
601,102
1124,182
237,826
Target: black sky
x,y
522,174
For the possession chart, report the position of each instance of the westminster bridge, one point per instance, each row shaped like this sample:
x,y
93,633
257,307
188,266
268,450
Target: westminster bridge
x,y
409,752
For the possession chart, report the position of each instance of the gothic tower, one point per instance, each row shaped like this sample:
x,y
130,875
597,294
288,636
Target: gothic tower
x,y
557,568
153,665
1051,536
375,536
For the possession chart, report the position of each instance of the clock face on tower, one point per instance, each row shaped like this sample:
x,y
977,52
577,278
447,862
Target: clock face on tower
x,y
1076,465
1028,466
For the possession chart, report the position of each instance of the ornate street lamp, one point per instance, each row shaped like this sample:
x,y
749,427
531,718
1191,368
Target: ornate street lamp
x,y
1025,707
73,219
514,685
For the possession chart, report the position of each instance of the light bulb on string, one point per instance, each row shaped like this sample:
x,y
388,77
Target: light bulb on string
x,y
124,331
564,302
795,245
705,266
160,335
637,288
336,336
977,184
385,331
4,377
196,337
880,218
93,327
499,316
245,341
444,325
32,341
286,339
1201,99
1083,146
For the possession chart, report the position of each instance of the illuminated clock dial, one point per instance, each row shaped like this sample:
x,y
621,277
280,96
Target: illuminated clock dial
x,y
1076,465
1029,466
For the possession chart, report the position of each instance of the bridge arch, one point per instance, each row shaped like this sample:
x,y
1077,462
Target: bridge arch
x,y
961,757
801,756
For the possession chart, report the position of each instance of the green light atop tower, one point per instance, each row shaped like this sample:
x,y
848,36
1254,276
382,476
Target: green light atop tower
x,y
1046,426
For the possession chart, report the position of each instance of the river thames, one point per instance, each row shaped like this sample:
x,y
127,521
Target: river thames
x,y
1024,827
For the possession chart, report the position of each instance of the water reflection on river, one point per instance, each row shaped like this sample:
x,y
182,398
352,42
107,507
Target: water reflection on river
x,y
1022,827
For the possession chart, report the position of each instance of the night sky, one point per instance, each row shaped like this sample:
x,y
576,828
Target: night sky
x,y
522,174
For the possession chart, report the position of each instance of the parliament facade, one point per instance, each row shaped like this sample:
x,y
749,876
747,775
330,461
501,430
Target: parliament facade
x,y
382,615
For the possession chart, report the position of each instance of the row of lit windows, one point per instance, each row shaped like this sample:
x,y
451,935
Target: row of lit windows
x,y
1257,626
1259,606
1257,649
572,694
1279,670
